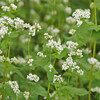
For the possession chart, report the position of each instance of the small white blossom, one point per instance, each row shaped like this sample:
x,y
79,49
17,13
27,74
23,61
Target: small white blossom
x,y
33,77
14,86
70,20
14,7
72,31
68,10
92,5
51,67
26,95
5,8
96,89
41,54
92,61
30,62
57,78
71,45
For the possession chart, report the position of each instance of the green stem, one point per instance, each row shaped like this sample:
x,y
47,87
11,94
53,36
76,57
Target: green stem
x,y
5,68
68,89
94,51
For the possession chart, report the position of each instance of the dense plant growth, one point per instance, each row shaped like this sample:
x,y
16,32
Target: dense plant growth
x,y
49,50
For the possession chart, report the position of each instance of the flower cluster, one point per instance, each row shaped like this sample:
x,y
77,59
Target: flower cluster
x,y
33,29
33,77
57,78
53,31
41,54
87,51
57,45
17,24
51,67
6,8
47,36
30,62
92,61
26,95
14,86
96,89
72,31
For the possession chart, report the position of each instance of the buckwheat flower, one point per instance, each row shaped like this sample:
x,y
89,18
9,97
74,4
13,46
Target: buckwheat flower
x,y
3,31
79,53
30,62
96,89
92,61
14,7
26,25
47,36
14,60
55,31
41,54
70,20
68,64
71,45
33,77
72,31
92,5
97,65
21,60
0,51
26,95
2,58
34,28
51,67
87,51
5,8
79,23
81,72
57,78
72,53
18,23
68,10
80,14
14,86
8,60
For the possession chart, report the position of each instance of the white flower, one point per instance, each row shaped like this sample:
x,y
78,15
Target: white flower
x,y
79,23
5,8
26,95
70,20
47,36
41,54
51,67
79,53
71,45
34,28
30,62
33,77
79,14
72,31
92,5
87,51
68,10
57,78
14,7
81,72
92,61
0,51
96,89
14,86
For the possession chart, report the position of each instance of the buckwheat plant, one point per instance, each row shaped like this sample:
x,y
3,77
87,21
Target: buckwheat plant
x,y
49,50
